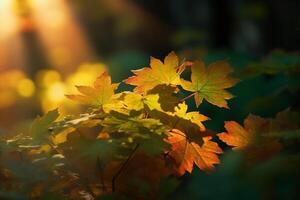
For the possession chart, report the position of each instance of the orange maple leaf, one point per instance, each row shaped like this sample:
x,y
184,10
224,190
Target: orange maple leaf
x,y
210,83
100,94
167,73
240,137
185,152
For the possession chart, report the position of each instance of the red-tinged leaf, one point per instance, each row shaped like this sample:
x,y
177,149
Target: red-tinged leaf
x,y
159,73
186,152
99,95
210,83
236,135
240,137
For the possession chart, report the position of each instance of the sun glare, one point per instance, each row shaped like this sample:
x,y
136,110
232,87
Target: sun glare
x,y
11,47
25,87
62,37
8,21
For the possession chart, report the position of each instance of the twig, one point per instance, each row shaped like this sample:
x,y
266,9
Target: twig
x,y
184,64
100,168
85,180
122,168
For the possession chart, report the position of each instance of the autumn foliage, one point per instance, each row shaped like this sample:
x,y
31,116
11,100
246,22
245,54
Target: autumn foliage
x,y
128,143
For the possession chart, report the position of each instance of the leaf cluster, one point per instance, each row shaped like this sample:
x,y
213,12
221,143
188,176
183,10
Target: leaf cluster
x,y
129,144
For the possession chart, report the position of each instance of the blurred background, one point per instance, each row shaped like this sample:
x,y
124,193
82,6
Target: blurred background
x,y
49,46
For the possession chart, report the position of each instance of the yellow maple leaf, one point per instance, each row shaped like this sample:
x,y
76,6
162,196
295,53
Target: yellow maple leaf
x,y
100,94
159,73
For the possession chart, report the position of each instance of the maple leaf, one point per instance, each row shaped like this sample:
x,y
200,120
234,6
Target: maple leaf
x,y
133,101
256,138
161,97
286,120
137,102
286,125
190,122
40,126
195,117
62,136
240,137
119,122
186,152
159,73
99,95
210,83
167,99
147,132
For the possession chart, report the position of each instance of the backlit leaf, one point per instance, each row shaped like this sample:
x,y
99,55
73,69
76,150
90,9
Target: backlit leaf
x,y
240,137
100,94
159,73
210,83
186,152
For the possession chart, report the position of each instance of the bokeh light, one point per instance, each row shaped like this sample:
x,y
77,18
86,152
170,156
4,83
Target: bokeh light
x,y
8,21
10,91
54,87
25,87
48,47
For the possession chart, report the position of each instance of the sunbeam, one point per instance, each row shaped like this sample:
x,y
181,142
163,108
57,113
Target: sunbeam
x,y
64,42
11,47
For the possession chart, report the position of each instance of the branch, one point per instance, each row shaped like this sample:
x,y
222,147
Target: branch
x,y
122,168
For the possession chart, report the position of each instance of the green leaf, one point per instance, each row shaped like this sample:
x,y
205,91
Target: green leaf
x,y
210,83
40,127
148,132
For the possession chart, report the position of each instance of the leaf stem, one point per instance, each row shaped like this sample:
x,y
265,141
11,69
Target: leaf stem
x,y
187,97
